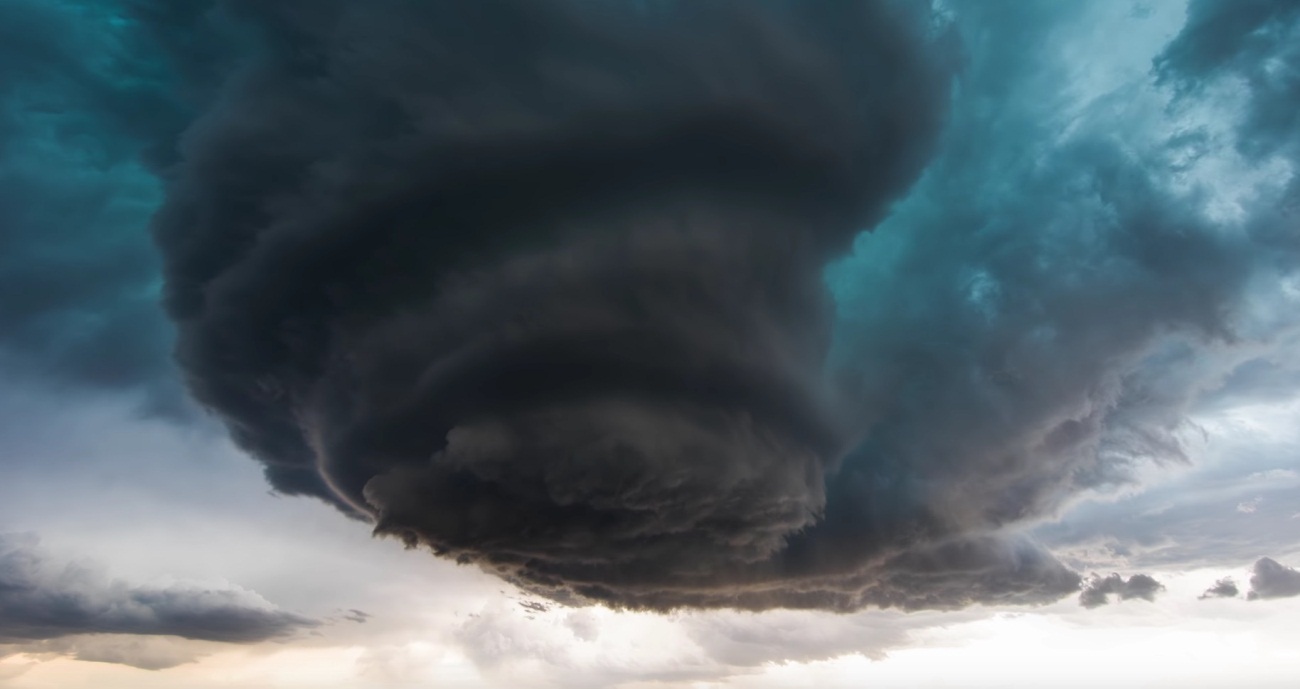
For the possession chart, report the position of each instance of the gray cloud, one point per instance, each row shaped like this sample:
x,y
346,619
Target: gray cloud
x,y
1272,579
556,308
79,277
1236,61
144,652
1097,590
1251,39
1223,588
548,292
41,599
1193,520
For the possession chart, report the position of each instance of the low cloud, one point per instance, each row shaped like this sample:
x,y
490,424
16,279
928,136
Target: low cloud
x,y
1223,588
1097,590
42,600
1272,579
144,652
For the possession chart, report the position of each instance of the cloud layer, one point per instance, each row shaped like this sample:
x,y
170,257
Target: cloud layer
x,y
41,599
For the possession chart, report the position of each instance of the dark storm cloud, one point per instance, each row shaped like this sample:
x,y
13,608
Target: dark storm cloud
x,y
1253,39
1061,297
1223,588
1239,60
1097,590
41,599
1272,579
539,285
1253,49
79,285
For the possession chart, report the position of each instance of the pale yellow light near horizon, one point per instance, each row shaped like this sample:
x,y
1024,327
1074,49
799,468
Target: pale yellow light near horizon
x,y
1178,641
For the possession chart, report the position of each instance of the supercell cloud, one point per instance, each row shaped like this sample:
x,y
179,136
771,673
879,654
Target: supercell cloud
x,y
538,284
722,304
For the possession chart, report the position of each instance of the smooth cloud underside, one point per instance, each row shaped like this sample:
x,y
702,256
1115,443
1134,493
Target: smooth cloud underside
x,y
41,600
574,291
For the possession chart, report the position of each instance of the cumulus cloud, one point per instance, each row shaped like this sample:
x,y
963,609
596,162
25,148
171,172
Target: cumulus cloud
x,y
1272,579
597,647
1097,590
1223,588
41,599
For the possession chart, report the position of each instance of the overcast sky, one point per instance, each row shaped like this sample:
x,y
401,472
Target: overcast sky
x,y
649,344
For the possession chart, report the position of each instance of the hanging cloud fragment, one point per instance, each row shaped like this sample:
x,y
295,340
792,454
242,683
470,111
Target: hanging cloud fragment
x,y
1272,579
1097,590
1223,588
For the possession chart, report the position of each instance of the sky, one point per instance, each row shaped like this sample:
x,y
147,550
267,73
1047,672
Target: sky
x,y
649,343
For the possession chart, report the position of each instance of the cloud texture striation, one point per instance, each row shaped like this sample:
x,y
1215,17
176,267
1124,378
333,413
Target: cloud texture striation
x,y
578,292
41,599
539,286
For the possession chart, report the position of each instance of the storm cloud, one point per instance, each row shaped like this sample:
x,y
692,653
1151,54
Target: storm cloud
x,y
538,285
79,279
544,287
42,599
584,294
